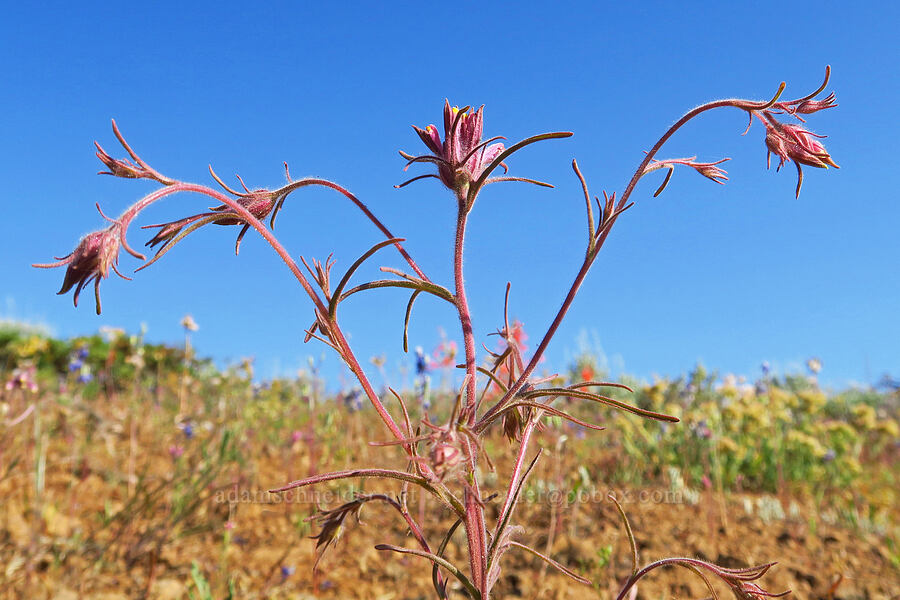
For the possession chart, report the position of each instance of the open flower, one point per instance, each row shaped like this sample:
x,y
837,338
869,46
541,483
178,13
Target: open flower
x,y
461,156
463,160
92,259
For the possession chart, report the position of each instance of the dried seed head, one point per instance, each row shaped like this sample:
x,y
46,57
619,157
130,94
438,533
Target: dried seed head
x,y
332,522
513,424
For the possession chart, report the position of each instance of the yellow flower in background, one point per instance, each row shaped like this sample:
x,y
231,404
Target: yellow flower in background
x,y
888,427
32,346
840,428
656,393
709,409
800,441
674,409
778,397
811,401
781,414
849,466
864,417
728,446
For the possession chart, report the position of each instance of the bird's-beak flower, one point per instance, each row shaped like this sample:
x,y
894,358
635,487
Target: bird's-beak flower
x,y
261,204
807,106
461,156
92,259
465,162
793,142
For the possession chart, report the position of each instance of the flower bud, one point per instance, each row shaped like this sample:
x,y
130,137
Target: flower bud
x,y
120,167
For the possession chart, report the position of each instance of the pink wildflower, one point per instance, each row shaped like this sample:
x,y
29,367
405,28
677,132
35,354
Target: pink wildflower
x,y
23,378
95,255
792,142
461,156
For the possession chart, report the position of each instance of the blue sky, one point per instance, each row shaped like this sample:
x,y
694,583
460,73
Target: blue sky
x,y
729,276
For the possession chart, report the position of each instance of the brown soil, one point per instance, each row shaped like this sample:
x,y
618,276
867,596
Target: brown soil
x,y
55,553
830,562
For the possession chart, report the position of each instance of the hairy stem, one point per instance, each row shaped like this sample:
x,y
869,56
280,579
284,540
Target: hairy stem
x,y
476,531
365,209
465,319
320,306
414,527
485,421
517,469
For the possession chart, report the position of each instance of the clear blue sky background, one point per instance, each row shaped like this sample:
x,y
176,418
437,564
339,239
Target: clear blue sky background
x,y
730,276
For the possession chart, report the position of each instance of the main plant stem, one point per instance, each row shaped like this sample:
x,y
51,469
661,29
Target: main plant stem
x,y
476,532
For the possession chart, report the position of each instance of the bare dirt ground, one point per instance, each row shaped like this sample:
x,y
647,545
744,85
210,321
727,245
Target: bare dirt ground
x,y
815,561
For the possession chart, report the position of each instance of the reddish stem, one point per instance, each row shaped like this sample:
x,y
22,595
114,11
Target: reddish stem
x,y
485,421
329,184
414,527
465,319
321,307
517,469
476,530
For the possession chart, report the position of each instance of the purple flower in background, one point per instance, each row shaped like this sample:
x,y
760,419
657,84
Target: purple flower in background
x,y
829,456
286,571
421,361
188,430
175,451
85,377
702,431
765,367
353,400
